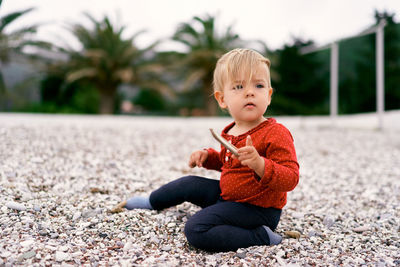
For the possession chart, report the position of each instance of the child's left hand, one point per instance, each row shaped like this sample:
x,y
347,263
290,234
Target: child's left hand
x,y
248,156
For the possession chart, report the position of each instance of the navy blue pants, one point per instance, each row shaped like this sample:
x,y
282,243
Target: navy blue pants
x,y
220,225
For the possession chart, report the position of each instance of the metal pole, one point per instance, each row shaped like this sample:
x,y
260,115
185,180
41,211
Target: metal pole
x,y
380,86
334,81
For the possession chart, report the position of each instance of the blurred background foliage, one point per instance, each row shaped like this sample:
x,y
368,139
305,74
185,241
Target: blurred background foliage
x,y
110,74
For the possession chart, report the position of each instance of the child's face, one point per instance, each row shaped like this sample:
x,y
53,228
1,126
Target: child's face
x,y
247,100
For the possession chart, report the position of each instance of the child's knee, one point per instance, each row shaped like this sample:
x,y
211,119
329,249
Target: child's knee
x,y
186,180
194,234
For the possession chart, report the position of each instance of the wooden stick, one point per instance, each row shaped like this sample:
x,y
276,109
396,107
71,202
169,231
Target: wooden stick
x,y
225,143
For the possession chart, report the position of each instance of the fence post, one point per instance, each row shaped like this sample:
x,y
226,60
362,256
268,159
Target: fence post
x,y
334,81
380,79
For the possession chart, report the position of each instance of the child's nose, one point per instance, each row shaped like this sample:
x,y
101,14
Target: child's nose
x,y
249,91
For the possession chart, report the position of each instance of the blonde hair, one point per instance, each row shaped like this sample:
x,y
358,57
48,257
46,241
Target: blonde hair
x,y
235,62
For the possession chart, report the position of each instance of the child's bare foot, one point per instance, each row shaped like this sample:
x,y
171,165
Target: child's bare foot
x,y
119,207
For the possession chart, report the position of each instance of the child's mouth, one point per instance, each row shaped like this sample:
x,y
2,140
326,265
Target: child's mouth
x,y
249,105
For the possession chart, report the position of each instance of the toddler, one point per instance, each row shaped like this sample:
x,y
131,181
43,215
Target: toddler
x,y
243,208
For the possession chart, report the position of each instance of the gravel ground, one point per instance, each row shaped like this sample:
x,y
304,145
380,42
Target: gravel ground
x,y
60,175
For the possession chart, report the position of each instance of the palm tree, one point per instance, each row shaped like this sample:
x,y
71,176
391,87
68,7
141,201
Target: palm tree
x,y
14,42
204,47
107,60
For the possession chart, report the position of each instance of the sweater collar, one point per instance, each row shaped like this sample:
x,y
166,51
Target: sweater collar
x,y
263,124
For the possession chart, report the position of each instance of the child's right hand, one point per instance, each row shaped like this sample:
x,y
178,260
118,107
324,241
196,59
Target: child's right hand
x,y
198,158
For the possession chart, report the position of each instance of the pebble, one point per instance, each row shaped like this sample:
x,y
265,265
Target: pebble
x,y
63,248
62,256
54,235
329,221
241,255
361,229
15,206
170,225
29,254
103,235
27,243
43,232
298,215
166,248
76,216
344,207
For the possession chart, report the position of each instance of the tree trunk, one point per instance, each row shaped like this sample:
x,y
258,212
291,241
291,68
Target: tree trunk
x,y
211,105
107,100
208,94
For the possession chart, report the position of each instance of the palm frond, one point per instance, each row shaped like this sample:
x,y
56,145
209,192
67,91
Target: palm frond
x,y
194,78
125,75
6,20
80,74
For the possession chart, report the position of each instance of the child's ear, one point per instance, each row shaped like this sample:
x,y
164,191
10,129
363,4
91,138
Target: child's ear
x,y
270,95
219,96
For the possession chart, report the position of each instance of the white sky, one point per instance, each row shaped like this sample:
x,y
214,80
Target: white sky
x,y
273,21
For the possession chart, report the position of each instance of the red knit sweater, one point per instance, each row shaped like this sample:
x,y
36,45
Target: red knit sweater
x,y
239,183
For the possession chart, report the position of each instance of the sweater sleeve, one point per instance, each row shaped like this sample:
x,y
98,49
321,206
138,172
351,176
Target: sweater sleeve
x,y
213,161
281,171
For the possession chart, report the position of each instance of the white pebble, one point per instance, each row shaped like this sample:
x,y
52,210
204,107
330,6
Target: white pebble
x,y
62,256
15,206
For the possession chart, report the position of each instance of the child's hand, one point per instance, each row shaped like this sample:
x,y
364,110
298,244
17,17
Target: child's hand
x,y
198,158
248,156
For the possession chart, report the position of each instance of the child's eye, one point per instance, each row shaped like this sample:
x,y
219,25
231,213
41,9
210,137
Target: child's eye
x,y
238,86
260,85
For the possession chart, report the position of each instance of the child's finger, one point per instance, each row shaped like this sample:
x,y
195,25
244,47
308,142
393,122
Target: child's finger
x,y
192,164
245,149
203,158
199,162
249,142
244,162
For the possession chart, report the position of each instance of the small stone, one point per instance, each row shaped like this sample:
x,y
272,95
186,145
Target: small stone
x,y
89,213
54,235
11,174
103,235
79,233
311,233
52,248
329,221
63,248
4,209
298,215
15,206
241,255
43,232
76,216
29,254
154,239
61,256
27,243
361,229
384,216
166,248
171,225
5,254
127,246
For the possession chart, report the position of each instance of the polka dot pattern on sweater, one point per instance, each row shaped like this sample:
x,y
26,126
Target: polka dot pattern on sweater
x,y
239,183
